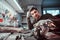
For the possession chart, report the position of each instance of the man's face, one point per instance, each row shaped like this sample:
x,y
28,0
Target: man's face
x,y
35,14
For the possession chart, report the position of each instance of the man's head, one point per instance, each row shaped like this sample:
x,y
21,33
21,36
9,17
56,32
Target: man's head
x,y
35,13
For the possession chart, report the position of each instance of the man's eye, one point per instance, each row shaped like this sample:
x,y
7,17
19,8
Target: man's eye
x,y
32,13
35,11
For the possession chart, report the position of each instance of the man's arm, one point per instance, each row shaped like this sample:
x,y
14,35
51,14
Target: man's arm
x,y
30,25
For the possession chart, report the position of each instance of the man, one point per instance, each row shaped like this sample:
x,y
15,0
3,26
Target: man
x,y
37,17
35,14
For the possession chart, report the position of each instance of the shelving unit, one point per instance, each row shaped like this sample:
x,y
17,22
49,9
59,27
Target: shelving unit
x,y
24,21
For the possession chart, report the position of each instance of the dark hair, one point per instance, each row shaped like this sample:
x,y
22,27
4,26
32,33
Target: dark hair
x,y
33,8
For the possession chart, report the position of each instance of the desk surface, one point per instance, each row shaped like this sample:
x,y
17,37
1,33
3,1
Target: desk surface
x,y
10,29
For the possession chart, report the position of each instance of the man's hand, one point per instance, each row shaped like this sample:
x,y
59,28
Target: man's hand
x,y
28,14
